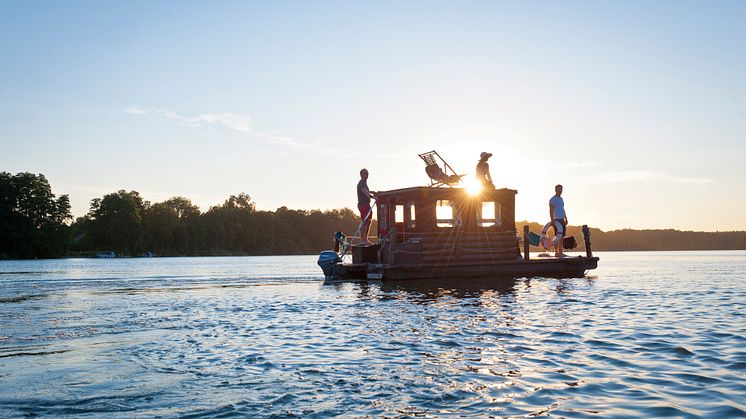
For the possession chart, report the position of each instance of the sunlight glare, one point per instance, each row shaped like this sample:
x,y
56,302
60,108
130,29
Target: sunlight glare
x,y
473,186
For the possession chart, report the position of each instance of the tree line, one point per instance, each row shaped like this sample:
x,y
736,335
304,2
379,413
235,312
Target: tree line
x,y
128,225
34,223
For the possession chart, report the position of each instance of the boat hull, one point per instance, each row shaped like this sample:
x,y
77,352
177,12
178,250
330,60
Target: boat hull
x,y
570,267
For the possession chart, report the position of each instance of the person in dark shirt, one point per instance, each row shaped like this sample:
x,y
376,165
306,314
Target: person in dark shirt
x,y
483,171
363,205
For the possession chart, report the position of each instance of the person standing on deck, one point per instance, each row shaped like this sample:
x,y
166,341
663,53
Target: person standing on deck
x,y
483,170
363,205
559,218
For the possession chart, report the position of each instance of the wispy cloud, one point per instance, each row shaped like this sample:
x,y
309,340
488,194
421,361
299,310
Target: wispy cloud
x,y
134,110
241,123
236,122
636,176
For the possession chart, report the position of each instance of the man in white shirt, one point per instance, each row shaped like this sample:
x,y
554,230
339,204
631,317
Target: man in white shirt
x,y
559,218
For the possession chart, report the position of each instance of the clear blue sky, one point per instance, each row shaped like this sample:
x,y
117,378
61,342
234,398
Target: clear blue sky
x,y
638,108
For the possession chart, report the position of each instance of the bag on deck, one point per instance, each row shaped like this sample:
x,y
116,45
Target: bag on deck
x,y
569,242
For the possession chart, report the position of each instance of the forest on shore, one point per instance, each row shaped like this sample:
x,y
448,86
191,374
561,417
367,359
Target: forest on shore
x,y
34,223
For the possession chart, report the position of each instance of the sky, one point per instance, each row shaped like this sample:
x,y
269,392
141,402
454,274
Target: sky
x,y
638,108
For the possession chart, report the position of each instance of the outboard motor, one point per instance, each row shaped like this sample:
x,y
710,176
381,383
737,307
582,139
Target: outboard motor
x,y
327,260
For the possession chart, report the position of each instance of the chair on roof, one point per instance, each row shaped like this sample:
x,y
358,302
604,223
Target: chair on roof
x,y
439,177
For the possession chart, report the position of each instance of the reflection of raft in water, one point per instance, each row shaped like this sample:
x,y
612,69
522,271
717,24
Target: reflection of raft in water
x,y
431,232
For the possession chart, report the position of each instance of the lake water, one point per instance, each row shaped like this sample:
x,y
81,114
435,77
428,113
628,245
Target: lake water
x,y
648,334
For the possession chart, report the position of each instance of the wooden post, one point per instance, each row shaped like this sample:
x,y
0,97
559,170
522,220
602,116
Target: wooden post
x,y
587,239
525,242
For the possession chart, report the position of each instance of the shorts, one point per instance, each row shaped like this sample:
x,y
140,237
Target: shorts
x,y
559,227
364,209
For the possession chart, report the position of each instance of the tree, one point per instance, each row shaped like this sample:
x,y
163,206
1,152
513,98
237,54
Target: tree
x,y
229,228
33,222
116,222
241,202
171,227
159,222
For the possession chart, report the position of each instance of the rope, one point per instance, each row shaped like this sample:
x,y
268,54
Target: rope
x,y
491,250
452,249
431,252
362,223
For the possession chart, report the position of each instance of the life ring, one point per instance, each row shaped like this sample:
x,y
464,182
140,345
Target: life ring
x,y
546,242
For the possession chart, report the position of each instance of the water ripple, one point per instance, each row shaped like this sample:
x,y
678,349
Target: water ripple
x,y
650,335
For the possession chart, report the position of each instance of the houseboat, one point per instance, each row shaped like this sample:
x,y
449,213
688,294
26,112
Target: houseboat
x,y
444,232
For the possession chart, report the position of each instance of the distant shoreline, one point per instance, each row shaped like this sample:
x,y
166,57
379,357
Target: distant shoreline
x,y
36,224
625,240
533,251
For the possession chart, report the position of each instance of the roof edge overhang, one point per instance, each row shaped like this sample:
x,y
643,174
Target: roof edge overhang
x,y
435,191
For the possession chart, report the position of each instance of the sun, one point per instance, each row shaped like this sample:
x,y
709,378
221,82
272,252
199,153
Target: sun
x,y
472,186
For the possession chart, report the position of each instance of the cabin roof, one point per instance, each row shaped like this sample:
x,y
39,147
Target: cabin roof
x,y
436,192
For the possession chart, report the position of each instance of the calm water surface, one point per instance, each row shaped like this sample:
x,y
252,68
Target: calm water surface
x,y
647,334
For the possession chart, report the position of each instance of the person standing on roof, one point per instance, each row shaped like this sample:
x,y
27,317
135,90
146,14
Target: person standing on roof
x,y
363,205
559,218
483,170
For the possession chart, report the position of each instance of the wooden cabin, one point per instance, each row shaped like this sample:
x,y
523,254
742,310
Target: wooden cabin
x,y
433,226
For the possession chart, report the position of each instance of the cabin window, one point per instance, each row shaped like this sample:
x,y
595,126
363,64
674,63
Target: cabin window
x,y
487,215
490,214
399,214
444,213
412,218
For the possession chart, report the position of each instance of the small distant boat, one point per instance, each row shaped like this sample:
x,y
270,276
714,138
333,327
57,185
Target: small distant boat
x,y
440,231
106,255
